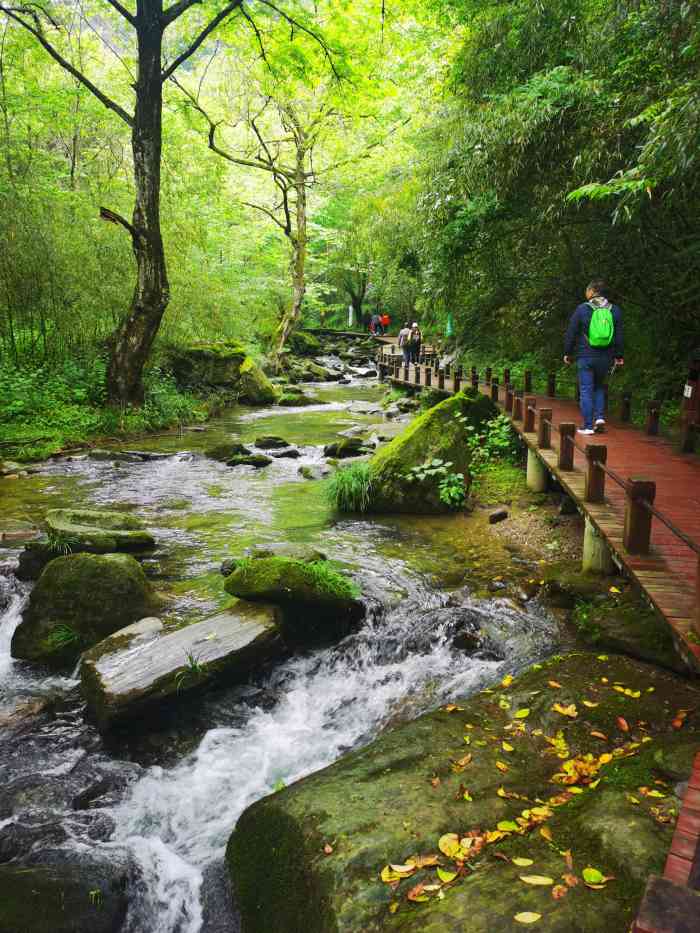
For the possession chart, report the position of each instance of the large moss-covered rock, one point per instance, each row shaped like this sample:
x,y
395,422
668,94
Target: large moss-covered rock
x,y
395,798
98,531
226,450
317,601
77,601
223,365
304,344
441,432
254,387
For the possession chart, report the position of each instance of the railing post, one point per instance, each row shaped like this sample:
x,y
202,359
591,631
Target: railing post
x,y
528,380
494,389
397,370
626,407
475,377
436,364
441,380
530,406
506,377
416,375
509,398
457,382
447,370
428,376
567,432
460,371
382,372
517,407
552,385
544,429
595,476
637,535
421,357
405,373
653,413
487,375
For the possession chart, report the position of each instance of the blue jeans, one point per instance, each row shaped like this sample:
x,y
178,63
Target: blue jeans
x,y
592,372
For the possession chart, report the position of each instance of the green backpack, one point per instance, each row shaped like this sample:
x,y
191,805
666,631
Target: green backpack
x,y
601,330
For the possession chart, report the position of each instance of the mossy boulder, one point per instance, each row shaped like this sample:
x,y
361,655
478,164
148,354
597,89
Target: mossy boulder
x,y
318,602
395,798
258,461
211,364
254,387
80,898
270,442
290,399
226,451
346,447
78,600
304,344
439,433
98,531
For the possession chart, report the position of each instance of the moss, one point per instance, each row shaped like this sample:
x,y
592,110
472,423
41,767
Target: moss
x,y
501,481
225,451
439,432
94,595
254,386
97,531
318,601
303,343
378,805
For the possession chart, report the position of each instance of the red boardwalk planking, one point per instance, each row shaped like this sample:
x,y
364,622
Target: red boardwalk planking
x,y
668,573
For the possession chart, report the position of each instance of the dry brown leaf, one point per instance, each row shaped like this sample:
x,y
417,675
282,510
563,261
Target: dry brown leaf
x,y
328,849
559,891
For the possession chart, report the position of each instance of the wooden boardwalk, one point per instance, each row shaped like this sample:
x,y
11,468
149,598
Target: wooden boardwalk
x,y
669,573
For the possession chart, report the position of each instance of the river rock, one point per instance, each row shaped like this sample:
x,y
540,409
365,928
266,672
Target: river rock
x,y
441,432
98,531
114,455
222,365
299,399
255,460
289,452
346,447
359,407
396,797
72,893
303,343
314,471
304,552
226,451
78,600
133,669
270,442
317,601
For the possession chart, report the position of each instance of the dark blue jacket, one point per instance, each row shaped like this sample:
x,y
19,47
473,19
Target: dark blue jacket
x,y
576,340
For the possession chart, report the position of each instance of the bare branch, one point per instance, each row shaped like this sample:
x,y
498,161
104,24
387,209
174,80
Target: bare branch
x,y
112,217
195,44
35,28
264,210
253,25
309,32
129,17
176,10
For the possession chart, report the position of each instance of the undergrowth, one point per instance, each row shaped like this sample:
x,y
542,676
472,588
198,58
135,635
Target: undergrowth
x,y
349,489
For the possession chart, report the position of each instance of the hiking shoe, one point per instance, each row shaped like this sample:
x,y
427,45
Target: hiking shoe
x,y
599,426
587,431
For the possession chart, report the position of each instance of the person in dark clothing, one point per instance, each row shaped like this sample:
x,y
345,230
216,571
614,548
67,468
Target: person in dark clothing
x,y
593,359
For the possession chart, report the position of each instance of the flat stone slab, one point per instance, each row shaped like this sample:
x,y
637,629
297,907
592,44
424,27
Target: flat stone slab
x,y
141,665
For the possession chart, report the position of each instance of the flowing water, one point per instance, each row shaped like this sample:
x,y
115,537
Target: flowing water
x,y
167,798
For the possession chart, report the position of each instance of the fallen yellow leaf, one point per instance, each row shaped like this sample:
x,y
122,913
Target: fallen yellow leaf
x,y
553,684
501,766
590,704
527,916
522,862
446,876
404,870
506,747
507,680
522,714
546,833
393,907
449,845
537,879
569,710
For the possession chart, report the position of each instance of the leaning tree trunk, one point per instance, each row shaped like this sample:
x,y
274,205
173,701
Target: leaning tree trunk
x,y
134,337
297,266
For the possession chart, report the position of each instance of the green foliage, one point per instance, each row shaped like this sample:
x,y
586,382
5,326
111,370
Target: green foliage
x,y
349,489
450,484
191,672
61,636
495,441
452,491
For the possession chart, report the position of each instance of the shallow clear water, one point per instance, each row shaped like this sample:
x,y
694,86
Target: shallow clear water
x,y
175,816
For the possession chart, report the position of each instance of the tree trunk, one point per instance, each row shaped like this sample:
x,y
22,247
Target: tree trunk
x,y
134,337
297,264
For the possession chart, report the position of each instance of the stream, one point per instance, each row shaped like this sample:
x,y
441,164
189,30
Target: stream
x,y
161,801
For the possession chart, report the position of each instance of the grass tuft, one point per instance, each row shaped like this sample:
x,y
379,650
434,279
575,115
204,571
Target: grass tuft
x,y
349,489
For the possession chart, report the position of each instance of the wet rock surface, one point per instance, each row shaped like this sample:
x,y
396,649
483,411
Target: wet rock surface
x,y
398,796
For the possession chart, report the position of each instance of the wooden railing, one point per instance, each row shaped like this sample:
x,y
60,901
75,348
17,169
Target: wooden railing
x,y
522,407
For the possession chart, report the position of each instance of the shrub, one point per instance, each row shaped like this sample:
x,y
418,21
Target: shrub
x,y
350,488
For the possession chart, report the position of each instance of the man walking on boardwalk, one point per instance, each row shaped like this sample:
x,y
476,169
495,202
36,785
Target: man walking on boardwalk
x,y
594,336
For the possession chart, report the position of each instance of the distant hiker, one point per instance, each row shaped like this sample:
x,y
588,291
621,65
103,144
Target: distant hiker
x,y
374,324
386,321
415,340
594,336
404,346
